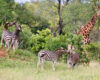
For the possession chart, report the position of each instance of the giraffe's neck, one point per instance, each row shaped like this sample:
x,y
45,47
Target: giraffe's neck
x,y
91,24
85,30
88,27
94,18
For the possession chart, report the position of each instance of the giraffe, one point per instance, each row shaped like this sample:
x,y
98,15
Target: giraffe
x,y
86,29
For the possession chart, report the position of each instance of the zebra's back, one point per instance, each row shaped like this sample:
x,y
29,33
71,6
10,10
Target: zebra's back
x,y
6,35
48,55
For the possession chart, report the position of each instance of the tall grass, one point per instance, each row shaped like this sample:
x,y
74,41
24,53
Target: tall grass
x,y
26,70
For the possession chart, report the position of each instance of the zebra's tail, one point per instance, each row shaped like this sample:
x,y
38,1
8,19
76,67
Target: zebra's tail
x,y
42,54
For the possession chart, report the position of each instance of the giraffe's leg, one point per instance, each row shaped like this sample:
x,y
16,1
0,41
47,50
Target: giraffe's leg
x,y
89,40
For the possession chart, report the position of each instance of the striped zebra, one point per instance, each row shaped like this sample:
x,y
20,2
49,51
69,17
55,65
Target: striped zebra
x,y
73,57
11,38
50,56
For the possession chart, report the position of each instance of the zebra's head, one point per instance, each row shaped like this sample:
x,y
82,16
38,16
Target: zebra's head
x,y
6,25
70,49
61,49
18,27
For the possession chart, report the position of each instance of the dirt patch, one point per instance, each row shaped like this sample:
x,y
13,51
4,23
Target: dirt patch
x,y
2,53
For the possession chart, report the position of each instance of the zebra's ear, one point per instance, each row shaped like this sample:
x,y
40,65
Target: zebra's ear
x,y
73,47
14,22
69,47
61,48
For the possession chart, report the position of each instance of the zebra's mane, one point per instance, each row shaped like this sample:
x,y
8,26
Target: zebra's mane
x,y
6,26
60,51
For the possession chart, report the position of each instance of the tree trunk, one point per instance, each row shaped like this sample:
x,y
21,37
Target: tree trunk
x,y
60,22
60,25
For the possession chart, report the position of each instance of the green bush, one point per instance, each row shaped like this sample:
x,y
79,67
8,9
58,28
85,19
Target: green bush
x,y
94,50
1,30
63,41
22,54
25,35
45,40
38,40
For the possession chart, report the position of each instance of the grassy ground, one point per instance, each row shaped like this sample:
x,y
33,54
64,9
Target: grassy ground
x,y
11,69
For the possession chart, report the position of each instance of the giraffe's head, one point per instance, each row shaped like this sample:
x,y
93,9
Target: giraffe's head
x,y
98,12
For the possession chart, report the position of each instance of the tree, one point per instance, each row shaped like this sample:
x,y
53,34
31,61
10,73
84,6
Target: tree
x,y
6,10
76,15
60,21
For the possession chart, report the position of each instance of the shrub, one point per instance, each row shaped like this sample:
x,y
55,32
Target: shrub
x,y
21,54
94,50
38,40
25,35
1,30
63,41
45,40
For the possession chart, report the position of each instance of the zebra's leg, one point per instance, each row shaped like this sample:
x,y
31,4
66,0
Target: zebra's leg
x,y
7,43
11,45
1,42
39,61
73,65
15,45
42,60
76,65
69,64
54,63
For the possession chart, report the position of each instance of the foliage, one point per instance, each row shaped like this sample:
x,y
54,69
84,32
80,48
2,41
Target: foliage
x,y
76,15
1,30
37,16
45,40
63,41
25,37
94,51
38,41
40,27
6,10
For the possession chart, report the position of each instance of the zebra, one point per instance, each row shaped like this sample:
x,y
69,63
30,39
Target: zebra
x,y
16,36
6,32
53,56
73,57
11,38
